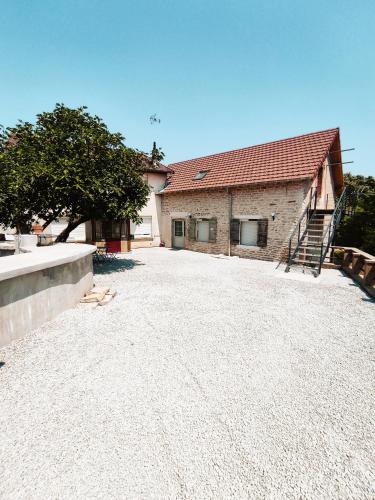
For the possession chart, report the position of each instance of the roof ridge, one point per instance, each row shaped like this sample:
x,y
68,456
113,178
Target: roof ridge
x,y
256,145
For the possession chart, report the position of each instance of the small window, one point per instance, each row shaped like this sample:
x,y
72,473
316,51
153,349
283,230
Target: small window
x,y
109,230
200,175
203,231
142,230
249,233
179,228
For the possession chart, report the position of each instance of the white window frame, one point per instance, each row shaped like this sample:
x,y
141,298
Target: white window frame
x,y
249,219
197,231
143,236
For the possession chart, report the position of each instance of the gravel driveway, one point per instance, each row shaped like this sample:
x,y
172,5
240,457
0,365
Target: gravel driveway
x,y
205,377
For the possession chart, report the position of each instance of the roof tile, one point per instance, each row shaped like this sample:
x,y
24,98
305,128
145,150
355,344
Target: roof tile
x,y
287,159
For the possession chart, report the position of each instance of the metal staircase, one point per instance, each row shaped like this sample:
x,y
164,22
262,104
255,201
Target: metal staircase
x,y
314,233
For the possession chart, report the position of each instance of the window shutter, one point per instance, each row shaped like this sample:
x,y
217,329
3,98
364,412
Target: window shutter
x,y
235,231
212,229
262,232
192,231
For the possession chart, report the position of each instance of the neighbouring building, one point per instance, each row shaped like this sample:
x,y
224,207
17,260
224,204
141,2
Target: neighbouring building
x,y
121,236
148,233
246,202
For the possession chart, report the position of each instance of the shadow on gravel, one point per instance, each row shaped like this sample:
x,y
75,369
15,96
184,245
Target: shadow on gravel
x,y
368,299
116,266
2,363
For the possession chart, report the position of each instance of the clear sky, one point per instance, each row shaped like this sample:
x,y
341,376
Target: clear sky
x,y
219,74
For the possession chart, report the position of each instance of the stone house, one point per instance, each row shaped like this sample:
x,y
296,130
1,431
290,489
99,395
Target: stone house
x,y
246,202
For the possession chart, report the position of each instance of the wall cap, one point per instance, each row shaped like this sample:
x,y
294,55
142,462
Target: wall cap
x,y
39,258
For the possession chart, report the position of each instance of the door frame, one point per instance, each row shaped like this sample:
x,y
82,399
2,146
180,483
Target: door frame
x,y
178,219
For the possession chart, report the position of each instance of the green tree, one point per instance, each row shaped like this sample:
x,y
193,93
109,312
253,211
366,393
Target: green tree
x,y
358,230
156,155
17,185
68,164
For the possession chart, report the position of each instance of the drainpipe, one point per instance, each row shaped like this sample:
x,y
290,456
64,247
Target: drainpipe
x,y
230,216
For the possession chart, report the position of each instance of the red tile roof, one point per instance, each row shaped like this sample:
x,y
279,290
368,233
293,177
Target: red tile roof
x,y
288,159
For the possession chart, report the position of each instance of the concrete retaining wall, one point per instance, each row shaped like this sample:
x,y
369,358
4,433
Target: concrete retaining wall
x,y
37,286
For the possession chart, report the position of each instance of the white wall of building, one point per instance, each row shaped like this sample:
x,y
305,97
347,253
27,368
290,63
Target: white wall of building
x,y
77,235
151,213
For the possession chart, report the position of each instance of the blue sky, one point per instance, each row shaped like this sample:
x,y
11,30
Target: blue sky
x,y
219,74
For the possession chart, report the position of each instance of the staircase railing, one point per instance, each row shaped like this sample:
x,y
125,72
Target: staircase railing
x,y
301,227
329,232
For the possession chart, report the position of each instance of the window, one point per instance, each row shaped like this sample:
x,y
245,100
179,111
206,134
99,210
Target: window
x,y
203,230
249,233
178,228
109,230
200,175
144,229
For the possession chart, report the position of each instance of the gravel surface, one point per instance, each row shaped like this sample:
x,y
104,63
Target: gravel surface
x,y
206,377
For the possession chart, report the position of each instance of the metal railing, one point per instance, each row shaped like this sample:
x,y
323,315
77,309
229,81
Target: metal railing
x,y
300,229
329,233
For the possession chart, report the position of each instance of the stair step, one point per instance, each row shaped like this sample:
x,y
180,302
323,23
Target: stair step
x,y
324,211
309,251
319,222
311,258
306,262
310,246
314,224
316,229
308,256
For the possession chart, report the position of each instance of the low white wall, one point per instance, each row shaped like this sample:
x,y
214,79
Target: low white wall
x,y
38,285
29,240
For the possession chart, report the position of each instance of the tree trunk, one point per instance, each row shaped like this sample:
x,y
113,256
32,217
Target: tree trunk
x,y
17,240
50,219
63,236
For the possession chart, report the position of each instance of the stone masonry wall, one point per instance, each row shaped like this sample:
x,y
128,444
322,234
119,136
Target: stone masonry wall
x,y
204,204
284,199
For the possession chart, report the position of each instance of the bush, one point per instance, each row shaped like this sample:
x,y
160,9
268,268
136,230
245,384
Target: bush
x,y
338,256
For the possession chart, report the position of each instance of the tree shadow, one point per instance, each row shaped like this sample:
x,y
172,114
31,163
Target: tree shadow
x,y
368,299
110,266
